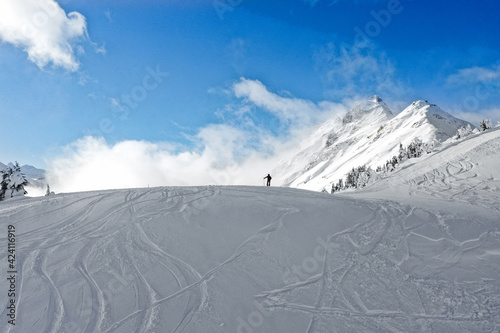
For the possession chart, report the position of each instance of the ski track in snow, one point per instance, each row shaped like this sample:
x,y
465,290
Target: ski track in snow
x,y
461,177
96,264
381,249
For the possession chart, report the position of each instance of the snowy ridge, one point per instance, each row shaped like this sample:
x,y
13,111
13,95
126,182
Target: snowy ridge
x,y
430,122
374,106
368,134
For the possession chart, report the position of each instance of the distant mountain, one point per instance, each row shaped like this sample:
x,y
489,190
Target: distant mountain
x,y
368,134
32,172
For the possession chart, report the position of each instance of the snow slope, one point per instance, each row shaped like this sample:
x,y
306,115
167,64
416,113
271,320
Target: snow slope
x,y
464,172
367,134
257,259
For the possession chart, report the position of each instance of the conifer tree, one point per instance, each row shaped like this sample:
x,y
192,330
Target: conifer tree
x,y
485,124
13,180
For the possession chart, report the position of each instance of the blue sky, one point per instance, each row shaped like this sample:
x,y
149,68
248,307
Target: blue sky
x,y
197,70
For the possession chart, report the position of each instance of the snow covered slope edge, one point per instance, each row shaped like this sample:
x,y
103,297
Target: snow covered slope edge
x,y
243,259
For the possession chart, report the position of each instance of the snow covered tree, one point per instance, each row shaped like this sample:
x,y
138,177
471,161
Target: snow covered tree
x,y
350,180
364,175
391,164
13,182
6,173
464,131
428,147
485,124
358,177
18,181
403,154
415,148
3,186
337,187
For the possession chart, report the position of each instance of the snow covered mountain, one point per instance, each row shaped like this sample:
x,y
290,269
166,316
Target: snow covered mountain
x,y
419,251
368,134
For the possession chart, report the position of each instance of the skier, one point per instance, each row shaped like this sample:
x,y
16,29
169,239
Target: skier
x,y
268,179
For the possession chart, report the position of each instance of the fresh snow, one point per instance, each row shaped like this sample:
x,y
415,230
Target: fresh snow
x,y
418,251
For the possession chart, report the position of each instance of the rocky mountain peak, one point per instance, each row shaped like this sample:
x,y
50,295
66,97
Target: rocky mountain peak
x,y
374,106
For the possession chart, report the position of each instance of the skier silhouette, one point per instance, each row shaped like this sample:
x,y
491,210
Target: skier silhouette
x,y
268,179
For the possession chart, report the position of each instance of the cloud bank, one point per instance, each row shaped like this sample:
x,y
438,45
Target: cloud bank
x,y
93,164
234,152
357,70
43,30
474,75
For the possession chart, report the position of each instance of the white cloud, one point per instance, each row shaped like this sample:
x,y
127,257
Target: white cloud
x,y
235,152
93,164
298,111
358,70
475,75
84,78
43,30
101,49
475,118
107,13
479,89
